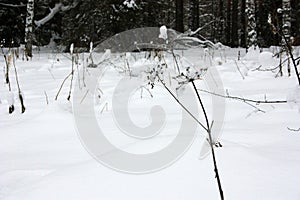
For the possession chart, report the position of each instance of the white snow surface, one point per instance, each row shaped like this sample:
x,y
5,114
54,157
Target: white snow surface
x,y
42,156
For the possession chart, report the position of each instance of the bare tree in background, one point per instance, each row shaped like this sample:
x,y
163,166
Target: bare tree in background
x,y
28,28
286,18
251,24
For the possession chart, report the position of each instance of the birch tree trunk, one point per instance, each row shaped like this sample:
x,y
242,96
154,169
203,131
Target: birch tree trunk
x,y
286,30
251,24
286,18
28,28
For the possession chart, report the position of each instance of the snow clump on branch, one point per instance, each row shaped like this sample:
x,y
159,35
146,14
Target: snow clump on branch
x,y
130,4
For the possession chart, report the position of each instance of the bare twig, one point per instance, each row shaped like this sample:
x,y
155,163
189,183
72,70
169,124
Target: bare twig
x,y
11,107
201,28
46,96
244,99
239,70
51,74
289,49
19,90
105,107
86,93
72,77
142,90
177,100
56,97
295,130
211,143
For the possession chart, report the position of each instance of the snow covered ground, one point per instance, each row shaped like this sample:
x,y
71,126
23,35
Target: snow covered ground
x,y
42,156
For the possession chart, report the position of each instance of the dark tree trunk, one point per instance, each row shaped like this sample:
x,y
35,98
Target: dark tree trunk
x,y
243,24
228,22
195,14
179,16
220,26
234,26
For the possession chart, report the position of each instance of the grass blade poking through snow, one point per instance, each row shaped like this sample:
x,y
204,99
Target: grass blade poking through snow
x,y
10,97
20,95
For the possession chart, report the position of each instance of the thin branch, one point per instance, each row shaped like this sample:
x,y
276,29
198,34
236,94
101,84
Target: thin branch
x,y
56,97
53,11
201,28
245,100
239,69
289,48
177,100
86,93
105,107
13,5
72,77
19,90
210,141
295,130
46,96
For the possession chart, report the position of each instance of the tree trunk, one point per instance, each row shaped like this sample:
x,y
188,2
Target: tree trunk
x,y
195,14
251,24
228,22
179,16
28,28
220,27
243,24
234,26
286,18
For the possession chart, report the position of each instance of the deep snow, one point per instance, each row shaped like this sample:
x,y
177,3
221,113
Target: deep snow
x,y
42,156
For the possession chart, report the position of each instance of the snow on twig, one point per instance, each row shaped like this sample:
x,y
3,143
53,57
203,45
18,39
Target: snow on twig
x,y
53,11
12,5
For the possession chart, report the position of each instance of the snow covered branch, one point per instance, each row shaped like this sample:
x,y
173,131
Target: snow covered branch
x,y
201,28
53,11
12,5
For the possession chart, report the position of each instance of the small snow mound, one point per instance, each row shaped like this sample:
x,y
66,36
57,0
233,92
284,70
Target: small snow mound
x,y
293,97
106,55
252,54
163,32
219,61
266,59
140,66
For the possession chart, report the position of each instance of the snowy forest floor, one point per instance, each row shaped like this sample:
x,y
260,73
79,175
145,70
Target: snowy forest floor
x,y
42,156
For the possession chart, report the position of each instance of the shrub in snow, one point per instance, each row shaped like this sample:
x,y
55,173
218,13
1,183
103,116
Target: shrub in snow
x,y
293,97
